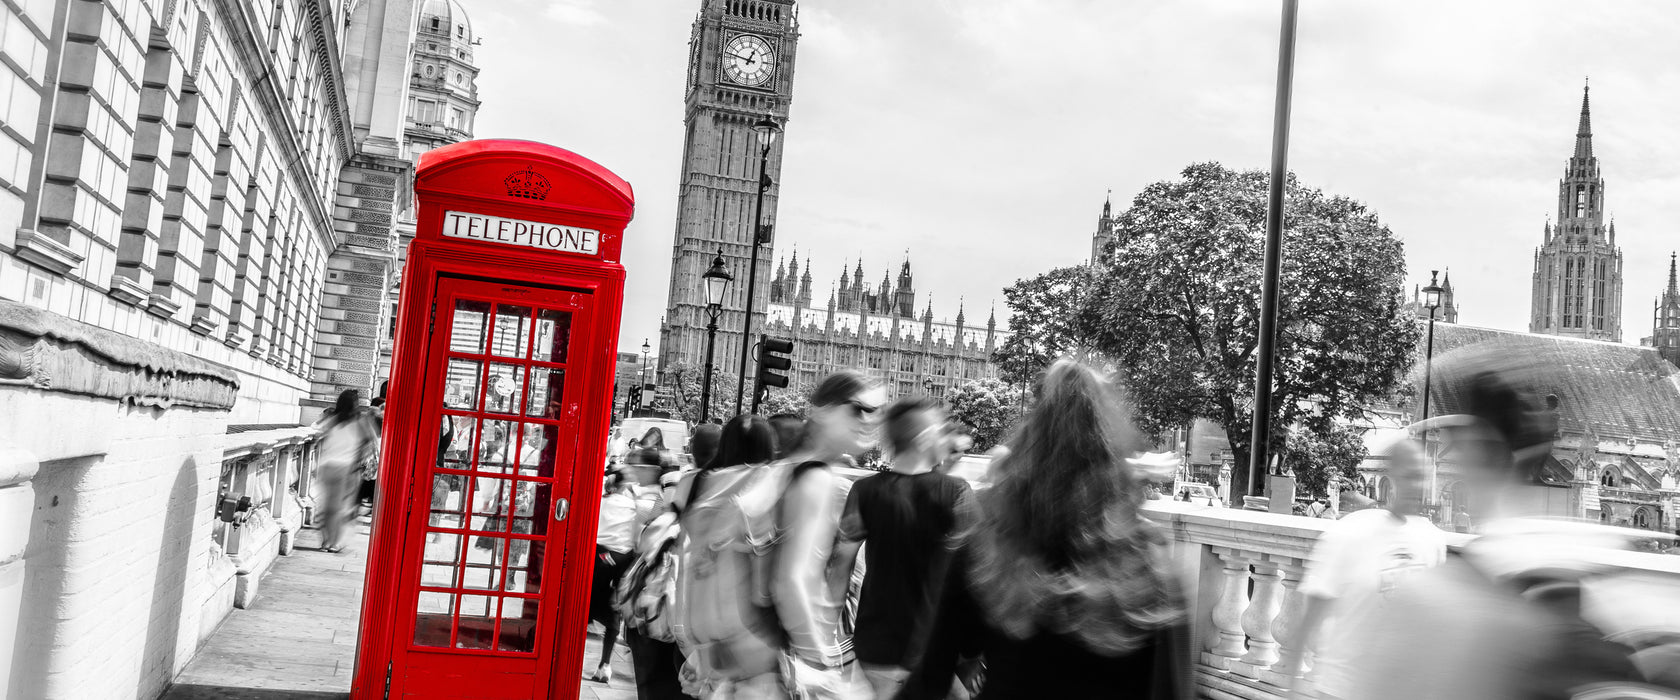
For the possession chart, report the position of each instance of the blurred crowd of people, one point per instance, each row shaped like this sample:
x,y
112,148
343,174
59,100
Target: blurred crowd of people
x,y
765,571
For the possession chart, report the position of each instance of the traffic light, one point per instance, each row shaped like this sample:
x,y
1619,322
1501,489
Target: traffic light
x,y
773,359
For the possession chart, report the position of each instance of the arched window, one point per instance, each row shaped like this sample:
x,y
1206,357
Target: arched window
x,y
1642,519
1580,200
1610,478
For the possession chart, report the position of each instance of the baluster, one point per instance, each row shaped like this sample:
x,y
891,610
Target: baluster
x,y
1291,661
1227,644
1257,621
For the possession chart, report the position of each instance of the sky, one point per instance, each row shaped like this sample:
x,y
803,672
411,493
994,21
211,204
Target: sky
x,y
981,136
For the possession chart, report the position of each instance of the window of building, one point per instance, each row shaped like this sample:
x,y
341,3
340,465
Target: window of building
x,y
461,30
460,79
876,359
437,24
427,112
430,70
1580,200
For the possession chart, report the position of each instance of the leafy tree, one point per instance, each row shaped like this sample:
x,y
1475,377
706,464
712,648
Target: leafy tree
x,y
1044,322
1175,308
792,400
989,405
687,381
1319,459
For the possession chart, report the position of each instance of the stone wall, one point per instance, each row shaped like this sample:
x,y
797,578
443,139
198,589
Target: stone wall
x,y
120,576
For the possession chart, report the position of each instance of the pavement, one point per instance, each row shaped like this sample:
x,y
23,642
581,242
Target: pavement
x,y
297,641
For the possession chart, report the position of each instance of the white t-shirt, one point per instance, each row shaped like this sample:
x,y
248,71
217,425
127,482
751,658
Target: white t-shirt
x,y
1356,564
618,522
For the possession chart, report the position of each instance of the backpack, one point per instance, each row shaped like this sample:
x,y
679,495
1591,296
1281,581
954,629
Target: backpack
x,y
725,617
645,594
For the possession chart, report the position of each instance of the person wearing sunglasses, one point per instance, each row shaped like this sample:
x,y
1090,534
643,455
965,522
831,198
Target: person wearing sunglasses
x,y
844,421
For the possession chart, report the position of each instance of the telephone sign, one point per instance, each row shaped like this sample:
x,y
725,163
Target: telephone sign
x,y
502,383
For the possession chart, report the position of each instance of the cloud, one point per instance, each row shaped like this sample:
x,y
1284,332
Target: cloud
x,y
580,13
982,134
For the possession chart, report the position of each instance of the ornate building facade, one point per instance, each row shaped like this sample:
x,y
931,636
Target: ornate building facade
x,y
1665,319
1578,268
195,198
740,70
876,330
442,107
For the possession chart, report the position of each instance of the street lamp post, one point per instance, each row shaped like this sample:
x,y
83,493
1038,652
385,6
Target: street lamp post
x,y
641,380
1431,301
767,129
717,283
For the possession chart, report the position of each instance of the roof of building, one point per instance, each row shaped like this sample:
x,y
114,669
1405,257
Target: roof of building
x,y
452,14
1610,389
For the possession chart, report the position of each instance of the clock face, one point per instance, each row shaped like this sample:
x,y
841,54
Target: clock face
x,y
749,60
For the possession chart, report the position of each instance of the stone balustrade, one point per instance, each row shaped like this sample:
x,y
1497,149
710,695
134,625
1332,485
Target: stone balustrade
x,y
1242,571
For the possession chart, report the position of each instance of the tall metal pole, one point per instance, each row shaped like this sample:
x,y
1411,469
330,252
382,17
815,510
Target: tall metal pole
x,y
641,380
1428,361
706,378
1260,444
752,272
1428,364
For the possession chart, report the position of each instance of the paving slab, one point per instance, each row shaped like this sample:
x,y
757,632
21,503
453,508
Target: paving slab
x,y
297,641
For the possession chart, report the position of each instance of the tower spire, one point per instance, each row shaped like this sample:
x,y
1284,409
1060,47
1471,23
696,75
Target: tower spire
x,y
1673,283
1583,132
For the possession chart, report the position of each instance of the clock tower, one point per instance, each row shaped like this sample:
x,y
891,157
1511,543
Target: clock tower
x,y
740,70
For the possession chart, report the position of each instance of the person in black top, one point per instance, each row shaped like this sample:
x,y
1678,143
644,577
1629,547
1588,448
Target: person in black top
x,y
1071,581
914,519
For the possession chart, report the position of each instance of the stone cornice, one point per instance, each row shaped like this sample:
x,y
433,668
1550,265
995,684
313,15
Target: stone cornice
x,y
49,352
326,45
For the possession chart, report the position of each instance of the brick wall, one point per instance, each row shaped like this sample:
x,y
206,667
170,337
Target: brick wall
x,y
121,577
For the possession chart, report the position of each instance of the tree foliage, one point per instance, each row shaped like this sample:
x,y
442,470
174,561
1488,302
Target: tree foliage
x,y
1175,307
790,400
989,406
1043,322
1318,459
686,379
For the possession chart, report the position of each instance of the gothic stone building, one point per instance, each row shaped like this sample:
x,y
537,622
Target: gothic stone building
x,y
876,330
195,221
1578,268
740,70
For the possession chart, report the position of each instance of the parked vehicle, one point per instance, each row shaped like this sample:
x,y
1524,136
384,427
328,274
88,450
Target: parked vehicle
x,y
1200,494
674,431
975,469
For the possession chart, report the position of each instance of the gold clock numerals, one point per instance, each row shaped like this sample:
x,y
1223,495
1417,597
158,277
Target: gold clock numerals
x,y
749,60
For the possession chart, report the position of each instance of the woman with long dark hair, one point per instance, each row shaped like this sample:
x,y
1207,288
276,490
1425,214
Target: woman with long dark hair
x,y
1069,578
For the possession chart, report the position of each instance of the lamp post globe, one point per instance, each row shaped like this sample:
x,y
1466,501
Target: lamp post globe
x,y
766,130
717,281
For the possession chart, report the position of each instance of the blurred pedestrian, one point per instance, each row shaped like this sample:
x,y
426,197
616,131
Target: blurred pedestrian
x,y
648,589
790,433
1501,619
621,510
703,445
1072,582
727,516
1356,563
347,438
914,519
959,439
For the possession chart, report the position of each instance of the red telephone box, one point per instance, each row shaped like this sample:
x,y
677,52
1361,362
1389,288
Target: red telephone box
x,y
495,428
